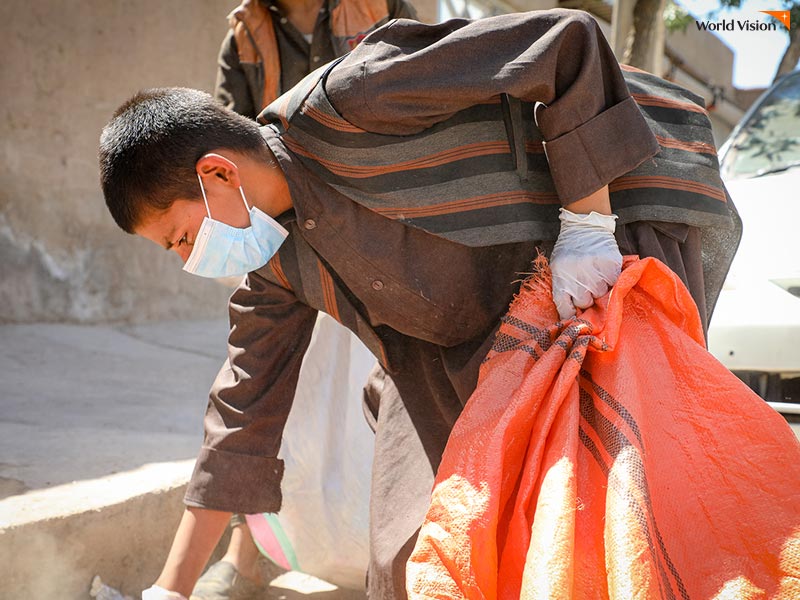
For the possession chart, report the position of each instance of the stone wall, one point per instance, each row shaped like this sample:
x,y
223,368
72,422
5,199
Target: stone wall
x,y
66,66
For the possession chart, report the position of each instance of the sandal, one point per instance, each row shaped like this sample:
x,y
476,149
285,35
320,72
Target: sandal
x,y
223,582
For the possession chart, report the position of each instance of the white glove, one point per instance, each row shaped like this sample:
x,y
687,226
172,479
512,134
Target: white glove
x,y
158,593
585,262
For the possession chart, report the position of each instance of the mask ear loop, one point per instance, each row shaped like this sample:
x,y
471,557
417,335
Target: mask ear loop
x,y
246,205
241,192
202,189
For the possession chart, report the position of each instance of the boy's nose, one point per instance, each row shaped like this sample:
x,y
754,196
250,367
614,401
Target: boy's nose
x,y
184,251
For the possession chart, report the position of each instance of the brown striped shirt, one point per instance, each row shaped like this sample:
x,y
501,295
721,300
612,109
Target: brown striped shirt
x,y
422,185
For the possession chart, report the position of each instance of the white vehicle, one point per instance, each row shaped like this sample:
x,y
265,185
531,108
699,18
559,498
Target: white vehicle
x,y
755,329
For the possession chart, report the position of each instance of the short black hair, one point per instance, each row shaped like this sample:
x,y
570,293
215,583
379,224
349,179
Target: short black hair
x,y
149,149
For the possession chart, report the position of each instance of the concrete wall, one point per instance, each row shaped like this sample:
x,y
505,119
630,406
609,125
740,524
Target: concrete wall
x,y
66,66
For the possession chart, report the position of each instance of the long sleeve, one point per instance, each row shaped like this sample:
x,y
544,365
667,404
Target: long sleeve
x,y
237,469
231,89
408,76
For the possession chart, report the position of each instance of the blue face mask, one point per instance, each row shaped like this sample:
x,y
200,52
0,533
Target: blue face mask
x,y
224,251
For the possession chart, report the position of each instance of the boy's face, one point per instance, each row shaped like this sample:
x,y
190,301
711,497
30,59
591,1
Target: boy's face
x,y
175,228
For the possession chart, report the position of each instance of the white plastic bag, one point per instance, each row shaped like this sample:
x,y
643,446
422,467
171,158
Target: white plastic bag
x,y
323,526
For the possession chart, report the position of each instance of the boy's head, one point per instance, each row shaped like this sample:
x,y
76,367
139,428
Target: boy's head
x,y
150,148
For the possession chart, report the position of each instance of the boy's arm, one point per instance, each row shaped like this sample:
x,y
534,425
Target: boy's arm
x,y
199,532
598,202
408,76
237,468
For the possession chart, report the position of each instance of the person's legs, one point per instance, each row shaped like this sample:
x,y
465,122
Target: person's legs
x,y
242,552
402,479
238,574
412,411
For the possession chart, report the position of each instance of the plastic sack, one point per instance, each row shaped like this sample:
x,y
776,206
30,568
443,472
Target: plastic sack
x,y
612,457
323,526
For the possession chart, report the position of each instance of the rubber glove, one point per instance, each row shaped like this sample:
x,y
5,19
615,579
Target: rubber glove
x,y
158,593
585,262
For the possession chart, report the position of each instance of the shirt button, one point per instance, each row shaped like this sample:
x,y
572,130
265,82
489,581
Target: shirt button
x,y
377,285
283,20
316,59
310,224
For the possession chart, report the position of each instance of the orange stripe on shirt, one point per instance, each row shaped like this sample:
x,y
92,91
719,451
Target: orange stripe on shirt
x,y
671,183
646,100
283,108
330,121
699,147
425,162
466,204
632,69
534,147
277,269
328,292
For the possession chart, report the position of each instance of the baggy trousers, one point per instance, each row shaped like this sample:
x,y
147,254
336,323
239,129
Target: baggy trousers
x,y
413,410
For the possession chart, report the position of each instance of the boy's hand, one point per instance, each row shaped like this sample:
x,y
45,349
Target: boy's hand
x,y
586,261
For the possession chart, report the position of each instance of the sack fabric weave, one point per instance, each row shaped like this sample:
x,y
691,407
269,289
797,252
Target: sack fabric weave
x,y
612,457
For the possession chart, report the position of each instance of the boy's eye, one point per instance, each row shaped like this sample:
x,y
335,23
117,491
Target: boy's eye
x,y
182,240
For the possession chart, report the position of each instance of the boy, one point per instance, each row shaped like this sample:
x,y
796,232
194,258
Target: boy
x,y
403,190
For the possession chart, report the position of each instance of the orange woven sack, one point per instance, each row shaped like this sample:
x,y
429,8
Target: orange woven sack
x,y
612,457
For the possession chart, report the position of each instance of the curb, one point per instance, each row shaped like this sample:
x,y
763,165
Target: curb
x,y
54,541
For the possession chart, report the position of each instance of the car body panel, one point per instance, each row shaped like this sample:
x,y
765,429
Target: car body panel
x,y
755,329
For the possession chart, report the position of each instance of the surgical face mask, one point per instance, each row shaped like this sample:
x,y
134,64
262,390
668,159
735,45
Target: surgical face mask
x,y
224,251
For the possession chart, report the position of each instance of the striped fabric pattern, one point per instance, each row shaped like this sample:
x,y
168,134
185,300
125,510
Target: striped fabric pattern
x,y
458,178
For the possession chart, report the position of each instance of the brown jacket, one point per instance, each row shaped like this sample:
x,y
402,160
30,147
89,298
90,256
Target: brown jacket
x,y
264,55
417,204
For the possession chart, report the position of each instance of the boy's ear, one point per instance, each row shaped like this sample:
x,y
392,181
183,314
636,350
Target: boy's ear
x,y
215,167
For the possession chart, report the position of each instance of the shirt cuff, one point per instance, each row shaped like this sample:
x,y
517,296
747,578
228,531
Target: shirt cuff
x,y
235,482
599,151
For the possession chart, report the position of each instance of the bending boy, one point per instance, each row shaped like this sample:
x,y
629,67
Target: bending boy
x,y
403,190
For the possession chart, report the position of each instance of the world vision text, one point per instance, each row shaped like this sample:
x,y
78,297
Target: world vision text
x,y
736,25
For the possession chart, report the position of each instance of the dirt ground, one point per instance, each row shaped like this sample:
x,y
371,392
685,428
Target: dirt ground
x,y
296,586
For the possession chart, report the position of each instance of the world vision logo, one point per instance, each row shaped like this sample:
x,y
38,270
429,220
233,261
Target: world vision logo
x,y
747,25
784,16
